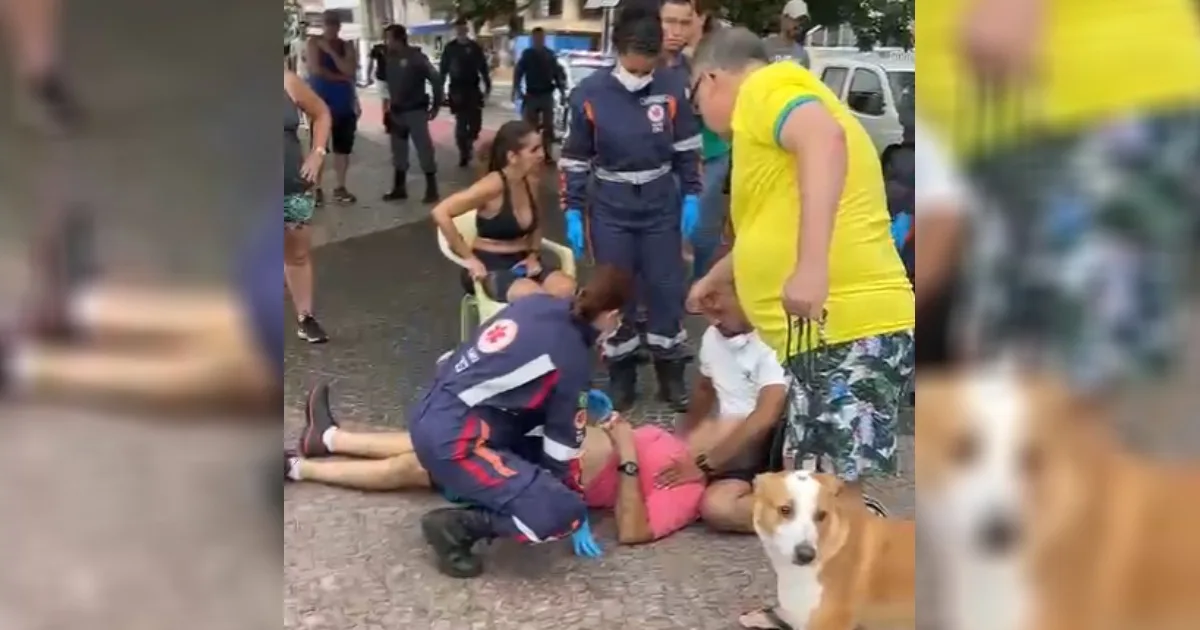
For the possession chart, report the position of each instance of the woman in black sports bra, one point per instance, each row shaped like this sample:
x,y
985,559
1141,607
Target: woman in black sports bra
x,y
506,254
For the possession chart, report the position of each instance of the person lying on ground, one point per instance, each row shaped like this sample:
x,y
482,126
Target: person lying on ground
x,y
192,351
738,402
506,254
618,464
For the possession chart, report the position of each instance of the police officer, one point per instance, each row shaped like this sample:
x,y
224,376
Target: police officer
x,y
408,71
535,79
501,427
634,141
466,65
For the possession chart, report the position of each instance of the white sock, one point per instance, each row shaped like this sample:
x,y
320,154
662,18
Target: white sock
x,y
83,306
20,367
327,438
293,472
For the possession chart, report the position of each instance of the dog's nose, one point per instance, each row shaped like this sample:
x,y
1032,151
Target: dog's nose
x,y
804,554
999,534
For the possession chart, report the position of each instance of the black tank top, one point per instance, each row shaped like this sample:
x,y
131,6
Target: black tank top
x,y
505,226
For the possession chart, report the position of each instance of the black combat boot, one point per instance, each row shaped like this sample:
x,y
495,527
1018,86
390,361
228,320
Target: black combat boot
x,y
431,191
671,387
399,190
452,533
622,383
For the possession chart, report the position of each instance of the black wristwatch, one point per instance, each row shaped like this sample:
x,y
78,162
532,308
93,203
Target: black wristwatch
x,y
628,468
702,464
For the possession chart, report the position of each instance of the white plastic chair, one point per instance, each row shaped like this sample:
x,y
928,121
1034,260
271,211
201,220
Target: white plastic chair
x,y
479,307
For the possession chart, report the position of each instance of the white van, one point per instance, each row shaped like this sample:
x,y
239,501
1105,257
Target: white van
x,y
873,87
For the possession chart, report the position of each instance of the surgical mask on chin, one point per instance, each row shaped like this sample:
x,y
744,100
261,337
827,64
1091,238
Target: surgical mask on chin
x,y
632,82
737,342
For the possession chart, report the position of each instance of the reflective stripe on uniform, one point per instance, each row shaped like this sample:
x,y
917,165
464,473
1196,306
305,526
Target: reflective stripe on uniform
x,y
559,451
574,166
662,341
637,178
528,373
526,530
618,350
694,143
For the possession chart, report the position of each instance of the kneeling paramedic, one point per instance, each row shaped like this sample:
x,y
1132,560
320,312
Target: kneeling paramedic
x,y
501,427
635,140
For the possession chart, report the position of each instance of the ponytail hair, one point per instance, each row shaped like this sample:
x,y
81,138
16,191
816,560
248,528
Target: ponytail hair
x,y
493,153
637,28
608,289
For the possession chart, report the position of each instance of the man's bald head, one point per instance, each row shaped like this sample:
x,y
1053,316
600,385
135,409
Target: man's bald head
x,y
730,49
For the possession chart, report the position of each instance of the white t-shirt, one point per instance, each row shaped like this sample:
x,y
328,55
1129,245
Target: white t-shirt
x,y
739,367
939,185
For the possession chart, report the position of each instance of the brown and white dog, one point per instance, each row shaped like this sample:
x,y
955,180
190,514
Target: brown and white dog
x,y
837,564
1040,519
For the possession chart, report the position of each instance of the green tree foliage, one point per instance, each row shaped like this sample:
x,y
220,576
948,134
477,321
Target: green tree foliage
x,y
875,22
481,12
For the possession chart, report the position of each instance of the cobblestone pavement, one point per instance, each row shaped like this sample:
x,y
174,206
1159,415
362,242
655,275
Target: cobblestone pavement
x,y
354,560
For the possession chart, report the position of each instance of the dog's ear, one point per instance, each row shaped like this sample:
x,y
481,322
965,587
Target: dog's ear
x,y
759,479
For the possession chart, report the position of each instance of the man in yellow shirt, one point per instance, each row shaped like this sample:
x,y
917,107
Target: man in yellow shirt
x,y
813,260
1080,136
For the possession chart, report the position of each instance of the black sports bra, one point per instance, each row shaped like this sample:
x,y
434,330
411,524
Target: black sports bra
x,y
504,226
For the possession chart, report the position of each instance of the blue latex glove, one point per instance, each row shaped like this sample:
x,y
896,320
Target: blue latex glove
x,y
900,227
691,216
585,543
599,406
575,231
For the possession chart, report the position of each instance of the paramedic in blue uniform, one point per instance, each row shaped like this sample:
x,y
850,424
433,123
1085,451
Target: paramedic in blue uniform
x,y
501,427
631,160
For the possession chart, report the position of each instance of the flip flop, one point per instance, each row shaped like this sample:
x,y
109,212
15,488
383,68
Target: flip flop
x,y
764,619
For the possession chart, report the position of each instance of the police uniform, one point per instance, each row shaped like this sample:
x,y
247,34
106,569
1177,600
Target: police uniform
x,y
466,65
501,429
408,71
638,154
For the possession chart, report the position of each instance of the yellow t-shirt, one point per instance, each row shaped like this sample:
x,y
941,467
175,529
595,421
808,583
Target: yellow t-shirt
x,y
1099,59
869,293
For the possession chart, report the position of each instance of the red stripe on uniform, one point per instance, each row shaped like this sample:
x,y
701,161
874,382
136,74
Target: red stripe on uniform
x,y
464,450
543,391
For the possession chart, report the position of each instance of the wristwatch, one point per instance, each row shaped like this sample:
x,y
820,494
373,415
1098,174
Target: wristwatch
x,y
702,464
629,469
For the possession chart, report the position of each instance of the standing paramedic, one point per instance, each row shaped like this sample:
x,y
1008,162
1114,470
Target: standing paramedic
x,y
502,426
466,66
634,141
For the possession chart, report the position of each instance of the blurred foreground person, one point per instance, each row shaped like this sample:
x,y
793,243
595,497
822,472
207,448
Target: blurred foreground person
x,y
940,214
1042,519
1080,145
502,425
169,349
32,31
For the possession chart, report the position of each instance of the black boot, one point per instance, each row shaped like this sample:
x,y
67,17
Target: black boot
x,y
452,533
399,190
622,383
431,191
671,387
464,159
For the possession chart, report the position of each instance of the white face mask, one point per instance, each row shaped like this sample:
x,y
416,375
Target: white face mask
x,y
737,342
632,82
